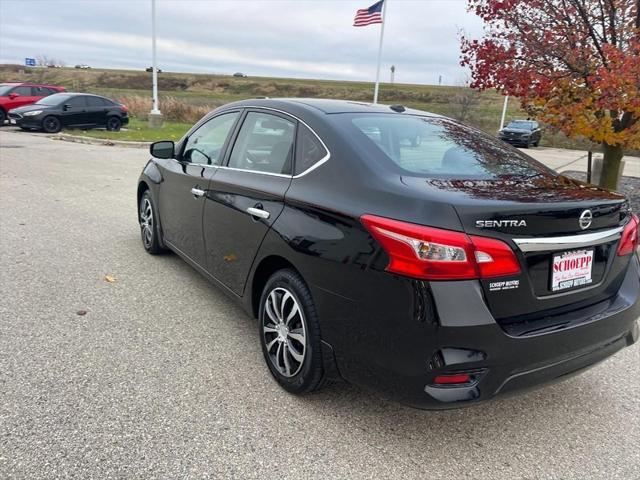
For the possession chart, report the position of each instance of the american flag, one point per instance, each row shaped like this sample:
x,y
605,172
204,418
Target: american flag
x,y
369,16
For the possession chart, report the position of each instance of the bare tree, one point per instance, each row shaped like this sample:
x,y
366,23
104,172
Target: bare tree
x,y
464,101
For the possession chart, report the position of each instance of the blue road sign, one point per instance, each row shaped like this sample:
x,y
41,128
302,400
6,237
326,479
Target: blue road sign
x,y
30,62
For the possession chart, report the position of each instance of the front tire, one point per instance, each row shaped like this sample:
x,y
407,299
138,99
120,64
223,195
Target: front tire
x,y
114,124
3,117
51,124
289,331
149,225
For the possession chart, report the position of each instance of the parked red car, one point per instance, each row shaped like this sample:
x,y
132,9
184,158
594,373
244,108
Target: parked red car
x,y
14,95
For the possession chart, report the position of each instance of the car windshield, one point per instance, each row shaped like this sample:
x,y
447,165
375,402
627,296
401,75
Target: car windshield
x,y
521,124
440,148
55,99
5,89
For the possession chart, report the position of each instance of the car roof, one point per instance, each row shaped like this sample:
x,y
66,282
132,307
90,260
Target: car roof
x,y
326,106
29,84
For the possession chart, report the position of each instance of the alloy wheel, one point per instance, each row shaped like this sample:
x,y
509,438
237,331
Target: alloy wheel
x,y
113,124
51,124
146,222
284,332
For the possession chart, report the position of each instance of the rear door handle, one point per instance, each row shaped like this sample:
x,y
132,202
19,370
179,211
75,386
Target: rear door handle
x,y
258,212
197,192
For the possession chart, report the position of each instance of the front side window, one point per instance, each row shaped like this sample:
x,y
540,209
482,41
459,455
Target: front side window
x,y
440,148
264,144
77,102
309,150
204,146
22,91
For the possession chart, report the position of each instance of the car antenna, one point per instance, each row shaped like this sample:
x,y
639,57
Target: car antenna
x,y
397,108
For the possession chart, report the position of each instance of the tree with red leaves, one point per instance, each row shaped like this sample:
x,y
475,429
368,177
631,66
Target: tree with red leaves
x,y
574,64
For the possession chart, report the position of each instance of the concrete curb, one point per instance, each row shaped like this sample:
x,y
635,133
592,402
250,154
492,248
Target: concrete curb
x,y
65,137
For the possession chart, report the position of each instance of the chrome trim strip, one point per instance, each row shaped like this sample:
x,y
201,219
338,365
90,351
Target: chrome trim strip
x,y
567,242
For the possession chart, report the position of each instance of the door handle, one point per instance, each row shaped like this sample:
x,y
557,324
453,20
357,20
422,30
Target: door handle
x,y
258,212
197,192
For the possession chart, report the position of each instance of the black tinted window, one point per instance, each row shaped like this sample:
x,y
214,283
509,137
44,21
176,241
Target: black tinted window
x,y
204,146
77,102
440,148
96,102
264,144
309,150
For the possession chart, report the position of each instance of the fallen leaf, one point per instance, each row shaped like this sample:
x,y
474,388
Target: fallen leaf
x,y
110,278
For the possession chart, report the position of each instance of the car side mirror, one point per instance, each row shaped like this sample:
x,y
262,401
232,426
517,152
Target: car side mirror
x,y
164,149
13,95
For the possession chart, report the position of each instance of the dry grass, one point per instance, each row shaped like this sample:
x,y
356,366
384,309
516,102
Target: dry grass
x,y
172,108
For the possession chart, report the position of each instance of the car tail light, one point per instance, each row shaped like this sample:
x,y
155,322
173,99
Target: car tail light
x,y
456,378
124,108
435,254
629,240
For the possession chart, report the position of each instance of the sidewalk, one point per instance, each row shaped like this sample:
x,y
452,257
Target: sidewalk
x,y
561,159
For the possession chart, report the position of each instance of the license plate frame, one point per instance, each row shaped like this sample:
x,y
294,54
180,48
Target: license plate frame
x,y
12,121
571,269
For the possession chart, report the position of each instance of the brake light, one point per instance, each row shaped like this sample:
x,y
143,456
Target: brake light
x,y
454,379
629,240
124,108
435,254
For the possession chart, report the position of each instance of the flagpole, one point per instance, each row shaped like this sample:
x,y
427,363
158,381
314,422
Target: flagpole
x,y
375,90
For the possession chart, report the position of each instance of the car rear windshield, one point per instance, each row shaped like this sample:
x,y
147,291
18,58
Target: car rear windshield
x,y
55,99
440,148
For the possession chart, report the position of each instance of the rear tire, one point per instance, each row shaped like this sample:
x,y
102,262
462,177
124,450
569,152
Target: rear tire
x,y
149,225
289,331
51,124
114,124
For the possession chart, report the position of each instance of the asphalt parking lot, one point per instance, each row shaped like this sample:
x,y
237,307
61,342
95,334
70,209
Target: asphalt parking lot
x,y
163,376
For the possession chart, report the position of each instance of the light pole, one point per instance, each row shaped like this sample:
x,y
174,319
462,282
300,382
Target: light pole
x,y
155,117
504,111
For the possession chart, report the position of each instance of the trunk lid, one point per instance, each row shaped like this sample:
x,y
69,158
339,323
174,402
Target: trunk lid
x,y
547,207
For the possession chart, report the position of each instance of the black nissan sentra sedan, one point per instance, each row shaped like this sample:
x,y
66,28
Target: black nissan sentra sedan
x,y
398,250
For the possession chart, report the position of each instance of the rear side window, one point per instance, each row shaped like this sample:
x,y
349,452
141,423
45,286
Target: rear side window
x,y
264,144
41,91
441,148
309,150
96,102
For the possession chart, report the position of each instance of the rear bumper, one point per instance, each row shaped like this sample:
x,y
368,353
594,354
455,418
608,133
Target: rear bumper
x,y
400,357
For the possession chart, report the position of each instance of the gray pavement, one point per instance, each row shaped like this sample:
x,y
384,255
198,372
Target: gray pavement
x,y
163,377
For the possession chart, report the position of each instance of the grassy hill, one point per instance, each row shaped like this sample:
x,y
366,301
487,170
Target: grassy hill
x,y
186,97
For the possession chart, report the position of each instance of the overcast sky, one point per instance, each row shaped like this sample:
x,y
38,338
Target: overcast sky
x,y
283,38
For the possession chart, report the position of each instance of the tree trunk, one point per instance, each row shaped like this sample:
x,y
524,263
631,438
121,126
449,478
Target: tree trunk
x,y
611,166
